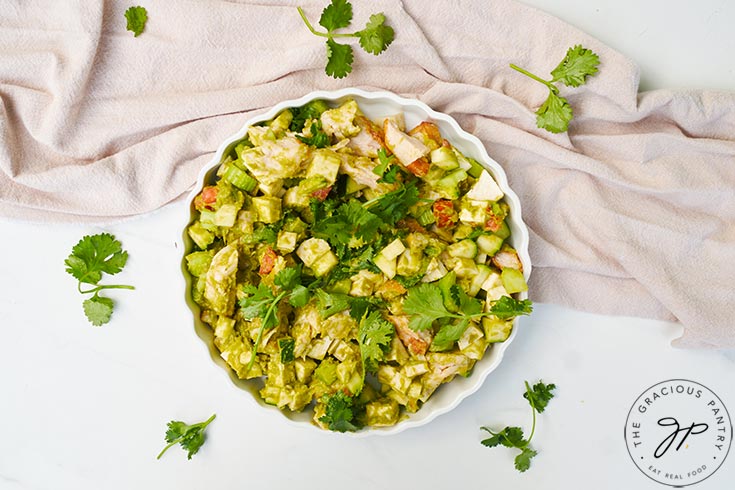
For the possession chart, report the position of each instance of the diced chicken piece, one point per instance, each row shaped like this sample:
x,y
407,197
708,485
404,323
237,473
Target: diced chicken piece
x,y
419,167
369,140
407,149
219,285
485,189
444,366
360,169
397,119
507,258
428,133
416,342
276,160
339,121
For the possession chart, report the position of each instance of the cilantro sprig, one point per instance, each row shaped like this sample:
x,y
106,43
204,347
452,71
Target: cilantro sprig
x,y
374,38
91,257
555,113
393,206
136,18
538,397
261,302
374,335
190,437
339,414
425,304
386,169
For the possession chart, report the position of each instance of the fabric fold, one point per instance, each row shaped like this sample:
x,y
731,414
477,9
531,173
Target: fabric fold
x,y
632,212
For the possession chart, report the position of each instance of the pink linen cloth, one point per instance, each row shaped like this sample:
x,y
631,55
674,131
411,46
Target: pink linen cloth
x,y
632,212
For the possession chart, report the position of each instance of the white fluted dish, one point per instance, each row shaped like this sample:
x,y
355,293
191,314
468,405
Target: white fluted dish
x,y
374,105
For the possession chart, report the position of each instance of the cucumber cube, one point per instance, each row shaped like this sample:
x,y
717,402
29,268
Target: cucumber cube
x,y
466,249
513,281
489,244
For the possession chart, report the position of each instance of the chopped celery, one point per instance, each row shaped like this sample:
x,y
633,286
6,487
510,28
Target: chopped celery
x,y
475,169
239,178
426,217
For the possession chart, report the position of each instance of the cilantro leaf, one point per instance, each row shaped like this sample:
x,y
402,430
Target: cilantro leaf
x,y
264,234
288,278
98,309
523,460
409,281
425,305
257,304
376,37
448,335
384,162
350,225
507,307
467,305
539,395
339,59
391,175
385,168
554,114
336,15
311,110
508,437
331,303
577,65
299,296
136,17
318,138
190,437
92,256
96,254
339,414
375,335
359,307
393,206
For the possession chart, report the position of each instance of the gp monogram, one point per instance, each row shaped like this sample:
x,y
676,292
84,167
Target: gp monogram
x,y
678,432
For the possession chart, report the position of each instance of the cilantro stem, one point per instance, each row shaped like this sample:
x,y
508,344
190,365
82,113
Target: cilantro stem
x,y
203,425
538,79
100,288
263,322
328,35
533,411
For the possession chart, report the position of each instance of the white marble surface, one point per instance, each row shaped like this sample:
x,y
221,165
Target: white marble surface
x,y
85,408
